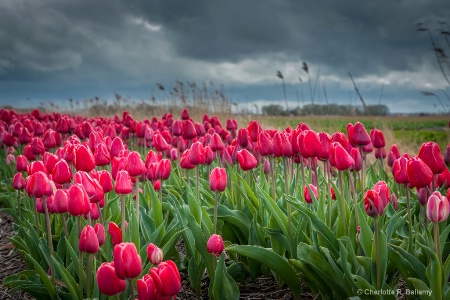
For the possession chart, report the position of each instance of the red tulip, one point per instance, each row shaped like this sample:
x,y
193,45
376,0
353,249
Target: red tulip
x,y
155,254
84,159
189,130
380,152
325,141
107,280
21,163
123,184
49,140
166,278
307,194
28,153
127,261
339,137
61,173
423,196
431,154
135,165
373,204
60,201
100,232
88,241
146,288
18,182
185,114
118,164
447,156
218,180
185,162
177,128
383,190
163,169
92,187
78,203
37,146
246,160
394,153
340,157
157,185
377,138
105,181
254,129
24,136
443,179
38,185
101,155
62,126
35,167
357,135
437,208
419,174
115,232
116,147
265,144
215,245
357,160
40,208
309,143
160,143
197,156
399,170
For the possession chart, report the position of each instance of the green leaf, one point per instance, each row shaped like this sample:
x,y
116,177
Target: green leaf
x,y
274,262
417,268
421,286
434,274
234,217
224,287
366,235
71,284
43,275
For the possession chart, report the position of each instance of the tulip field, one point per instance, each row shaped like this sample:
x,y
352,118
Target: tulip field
x,y
119,208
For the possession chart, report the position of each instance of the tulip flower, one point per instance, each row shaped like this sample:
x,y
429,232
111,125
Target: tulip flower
x,y
189,131
307,195
78,203
447,156
101,155
92,187
61,172
246,160
36,166
37,146
21,163
127,261
88,241
146,288
377,138
197,156
38,185
443,179
265,144
218,179
123,184
431,154
340,157
373,204
60,201
84,159
100,232
163,169
437,208
383,190
155,254
105,181
135,165
28,153
357,135
166,278
394,154
357,159
242,138
419,174
399,170
18,182
107,280
116,147
215,245
116,234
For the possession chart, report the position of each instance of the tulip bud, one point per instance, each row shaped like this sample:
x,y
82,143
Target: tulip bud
x,y
197,156
399,170
123,185
135,165
265,144
127,261
28,153
394,201
307,194
92,187
18,182
155,254
218,180
189,130
377,138
105,181
60,201
357,135
35,167
431,155
101,155
37,146
185,160
88,241
246,160
357,159
215,245
116,147
340,157
383,190
100,232
107,280
78,203
373,204
146,288
394,154
38,184
419,174
61,173
437,208
21,163
325,141
423,196
443,179
166,278
115,232
447,156
84,159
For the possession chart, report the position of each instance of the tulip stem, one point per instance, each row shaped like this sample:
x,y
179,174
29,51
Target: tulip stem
x,y
216,205
122,211
344,217
274,188
362,172
49,238
36,216
88,274
130,281
80,269
355,203
137,200
408,207
377,253
18,204
327,176
437,248
100,212
66,232
197,187
117,297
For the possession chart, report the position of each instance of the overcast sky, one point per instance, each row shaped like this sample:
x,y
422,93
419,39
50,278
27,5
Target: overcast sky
x,y
55,50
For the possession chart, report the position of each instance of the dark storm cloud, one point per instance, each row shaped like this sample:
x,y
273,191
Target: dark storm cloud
x,y
60,49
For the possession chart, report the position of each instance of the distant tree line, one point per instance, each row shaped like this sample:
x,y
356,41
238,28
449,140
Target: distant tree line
x,y
324,110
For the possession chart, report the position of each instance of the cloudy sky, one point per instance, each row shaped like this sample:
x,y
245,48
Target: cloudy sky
x,y
55,50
